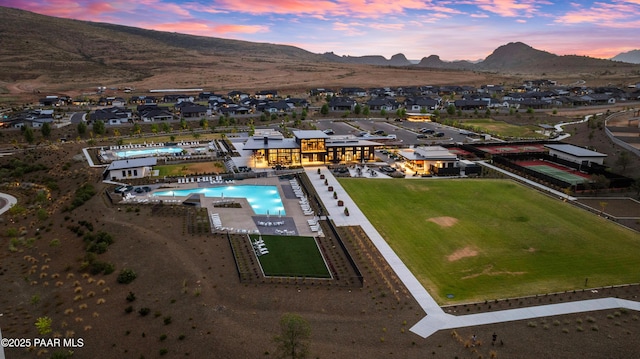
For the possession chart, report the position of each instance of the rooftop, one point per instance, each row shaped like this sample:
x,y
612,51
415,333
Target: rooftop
x,y
574,150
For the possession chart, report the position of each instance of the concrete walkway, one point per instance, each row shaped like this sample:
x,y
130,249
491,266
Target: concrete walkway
x,y
8,201
436,318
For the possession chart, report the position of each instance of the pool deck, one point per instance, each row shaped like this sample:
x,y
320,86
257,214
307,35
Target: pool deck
x,y
244,219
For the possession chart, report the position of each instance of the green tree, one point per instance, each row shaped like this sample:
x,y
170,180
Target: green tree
x,y
358,109
154,128
303,116
294,333
99,127
366,111
451,110
598,182
383,112
165,127
82,128
324,109
44,325
623,160
204,123
28,134
46,130
183,123
136,129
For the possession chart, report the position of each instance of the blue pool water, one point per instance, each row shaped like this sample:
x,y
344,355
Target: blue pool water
x,y
263,199
148,151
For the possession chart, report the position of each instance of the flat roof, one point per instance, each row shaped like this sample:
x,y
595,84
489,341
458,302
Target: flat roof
x,y
431,153
309,134
258,143
133,163
574,150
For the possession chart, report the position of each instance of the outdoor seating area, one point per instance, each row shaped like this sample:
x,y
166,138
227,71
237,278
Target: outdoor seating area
x,y
285,232
259,247
204,179
131,146
271,224
314,225
299,192
215,221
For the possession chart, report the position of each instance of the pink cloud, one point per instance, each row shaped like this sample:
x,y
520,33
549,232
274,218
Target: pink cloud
x,y
509,8
322,8
203,28
621,14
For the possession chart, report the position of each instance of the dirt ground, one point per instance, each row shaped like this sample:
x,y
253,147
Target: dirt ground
x,y
199,308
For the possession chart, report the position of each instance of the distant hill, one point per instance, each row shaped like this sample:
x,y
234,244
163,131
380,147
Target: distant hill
x,y
632,57
434,62
35,45
47,54
519,57
377,60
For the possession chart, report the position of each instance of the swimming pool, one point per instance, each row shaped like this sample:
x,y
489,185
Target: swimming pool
x,y
148,151
262,199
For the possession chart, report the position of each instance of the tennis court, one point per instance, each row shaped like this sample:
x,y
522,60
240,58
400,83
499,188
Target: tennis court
x,y
555,170
513,148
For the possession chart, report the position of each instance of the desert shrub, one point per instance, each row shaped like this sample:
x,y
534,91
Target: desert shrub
x,y
131,297
126,276
82,194
144,311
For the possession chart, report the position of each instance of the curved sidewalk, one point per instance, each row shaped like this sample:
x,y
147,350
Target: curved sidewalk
x,y
436,319
8,201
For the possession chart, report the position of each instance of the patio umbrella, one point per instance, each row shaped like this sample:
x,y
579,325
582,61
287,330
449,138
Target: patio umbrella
x,y
267,214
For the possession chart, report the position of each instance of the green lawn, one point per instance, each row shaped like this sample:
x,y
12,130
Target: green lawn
x,y
502,129
509,240
187,169
292,256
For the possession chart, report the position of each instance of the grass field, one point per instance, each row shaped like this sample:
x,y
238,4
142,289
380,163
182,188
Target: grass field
x,y
502,129
292,256
187,169
489,239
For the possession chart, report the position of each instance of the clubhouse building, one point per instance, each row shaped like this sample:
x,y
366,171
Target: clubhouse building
x,y
310,147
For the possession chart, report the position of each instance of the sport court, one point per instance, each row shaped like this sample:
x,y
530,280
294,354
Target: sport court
x,y
557,171
513,148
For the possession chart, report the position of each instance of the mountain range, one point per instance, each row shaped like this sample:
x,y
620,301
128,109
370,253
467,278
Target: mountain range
x,y
632,57
43,49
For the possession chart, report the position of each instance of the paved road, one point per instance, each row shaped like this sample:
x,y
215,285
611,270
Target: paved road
x,y
76,117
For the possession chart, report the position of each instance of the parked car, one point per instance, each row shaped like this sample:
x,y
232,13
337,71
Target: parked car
x,y
439,134
328,131
378,132
422,136
123,189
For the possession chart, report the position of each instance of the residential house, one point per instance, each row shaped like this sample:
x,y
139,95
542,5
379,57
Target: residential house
x,y
342,104
379,104
353,91
111,115
420,104
237,95
266,94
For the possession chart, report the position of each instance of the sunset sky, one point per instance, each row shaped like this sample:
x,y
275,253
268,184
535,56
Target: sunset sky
x,y
466,29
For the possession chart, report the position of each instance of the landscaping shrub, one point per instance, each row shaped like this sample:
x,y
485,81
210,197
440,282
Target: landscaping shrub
x,y
126,276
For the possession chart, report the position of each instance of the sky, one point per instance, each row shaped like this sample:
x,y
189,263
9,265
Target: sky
x,y
454,30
